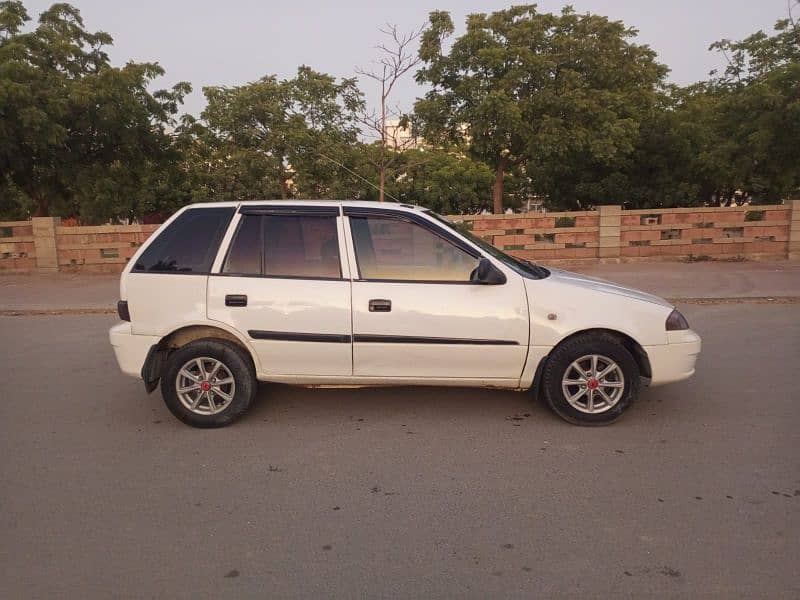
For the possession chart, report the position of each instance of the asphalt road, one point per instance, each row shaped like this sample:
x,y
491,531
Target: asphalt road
x,y
401,492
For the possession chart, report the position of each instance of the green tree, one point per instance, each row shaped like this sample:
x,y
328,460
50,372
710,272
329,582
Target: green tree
x,y
757,112
446,182
77,134
536,91
280,135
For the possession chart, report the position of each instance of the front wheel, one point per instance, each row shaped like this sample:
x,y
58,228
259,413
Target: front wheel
x,y
591,379
208,383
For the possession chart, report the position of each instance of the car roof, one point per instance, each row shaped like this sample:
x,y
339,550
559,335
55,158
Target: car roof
x,y
355,203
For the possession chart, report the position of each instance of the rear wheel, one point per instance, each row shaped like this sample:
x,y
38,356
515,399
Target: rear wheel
x,y
591,379
208,383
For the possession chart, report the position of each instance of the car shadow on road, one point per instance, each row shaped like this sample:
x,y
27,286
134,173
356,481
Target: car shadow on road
x,y
431,402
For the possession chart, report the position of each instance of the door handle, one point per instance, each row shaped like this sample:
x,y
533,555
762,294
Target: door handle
x,y
378,305
235,300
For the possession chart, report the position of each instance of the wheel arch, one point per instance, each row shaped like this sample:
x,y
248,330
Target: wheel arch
x,y
185,334
631,345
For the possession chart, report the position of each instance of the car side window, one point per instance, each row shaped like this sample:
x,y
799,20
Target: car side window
x,y
299,246
188,244
244,255
398,250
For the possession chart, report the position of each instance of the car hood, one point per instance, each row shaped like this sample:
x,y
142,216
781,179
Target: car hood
x,y
601,285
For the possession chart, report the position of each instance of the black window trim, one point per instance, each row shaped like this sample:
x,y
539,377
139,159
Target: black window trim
x,y
134,271
291,210
425,223
268,213
293,277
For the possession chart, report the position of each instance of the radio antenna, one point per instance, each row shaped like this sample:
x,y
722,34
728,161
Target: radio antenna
x,y
354,174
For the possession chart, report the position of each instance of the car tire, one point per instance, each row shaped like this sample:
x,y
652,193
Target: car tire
x,y
220,394
576,393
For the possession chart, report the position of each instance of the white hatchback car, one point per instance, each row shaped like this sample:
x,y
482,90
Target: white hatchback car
x,y
358,293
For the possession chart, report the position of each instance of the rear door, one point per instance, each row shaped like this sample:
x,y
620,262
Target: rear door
x,y
284,285
415,312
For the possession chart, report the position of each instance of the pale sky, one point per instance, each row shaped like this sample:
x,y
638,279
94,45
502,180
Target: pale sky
x,y
232,42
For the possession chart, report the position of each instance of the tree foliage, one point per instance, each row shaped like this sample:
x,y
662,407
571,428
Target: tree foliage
x,y
537,90
274,137
77,135
562,107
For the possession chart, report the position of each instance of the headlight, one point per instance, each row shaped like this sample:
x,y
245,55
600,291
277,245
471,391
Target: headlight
x,y
676,321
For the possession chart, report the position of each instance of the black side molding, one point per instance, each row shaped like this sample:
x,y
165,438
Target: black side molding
x,y
335,338
293,336
411,339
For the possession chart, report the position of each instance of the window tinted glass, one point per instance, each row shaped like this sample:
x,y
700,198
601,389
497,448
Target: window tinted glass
x,y
244,256
189,244
399,250
301,246
288,246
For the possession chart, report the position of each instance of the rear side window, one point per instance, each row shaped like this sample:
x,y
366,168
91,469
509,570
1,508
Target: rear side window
x,y
244,256
189,244
299,246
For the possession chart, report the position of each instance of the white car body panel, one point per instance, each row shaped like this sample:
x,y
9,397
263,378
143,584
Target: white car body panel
x,y
530,316
174,302
566,303
485,313
288,305
130,350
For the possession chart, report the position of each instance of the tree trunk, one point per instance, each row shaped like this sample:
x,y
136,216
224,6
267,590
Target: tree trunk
x,y
42,202
381,193
42,208
497,188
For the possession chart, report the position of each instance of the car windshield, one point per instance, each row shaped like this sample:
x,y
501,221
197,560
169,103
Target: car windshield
x,y
523,267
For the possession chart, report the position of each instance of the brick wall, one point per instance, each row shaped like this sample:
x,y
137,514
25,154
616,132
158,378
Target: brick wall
x,y
611,234
17,246
103,248
540,237
608,235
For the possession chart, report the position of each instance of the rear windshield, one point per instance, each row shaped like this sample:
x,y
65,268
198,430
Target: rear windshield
x,y
189,244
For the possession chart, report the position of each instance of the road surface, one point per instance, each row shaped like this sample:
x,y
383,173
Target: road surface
x,y
402,492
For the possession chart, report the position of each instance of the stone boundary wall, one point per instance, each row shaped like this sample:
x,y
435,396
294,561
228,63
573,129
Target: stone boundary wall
x,y
611,234
608,234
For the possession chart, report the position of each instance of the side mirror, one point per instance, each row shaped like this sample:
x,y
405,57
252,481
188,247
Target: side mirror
x,y
487,274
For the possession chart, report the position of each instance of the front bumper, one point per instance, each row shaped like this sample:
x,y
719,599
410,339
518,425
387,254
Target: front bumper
x,y
131,350
675,360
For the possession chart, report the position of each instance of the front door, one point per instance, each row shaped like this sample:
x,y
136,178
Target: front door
x,y
415,312
282,285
